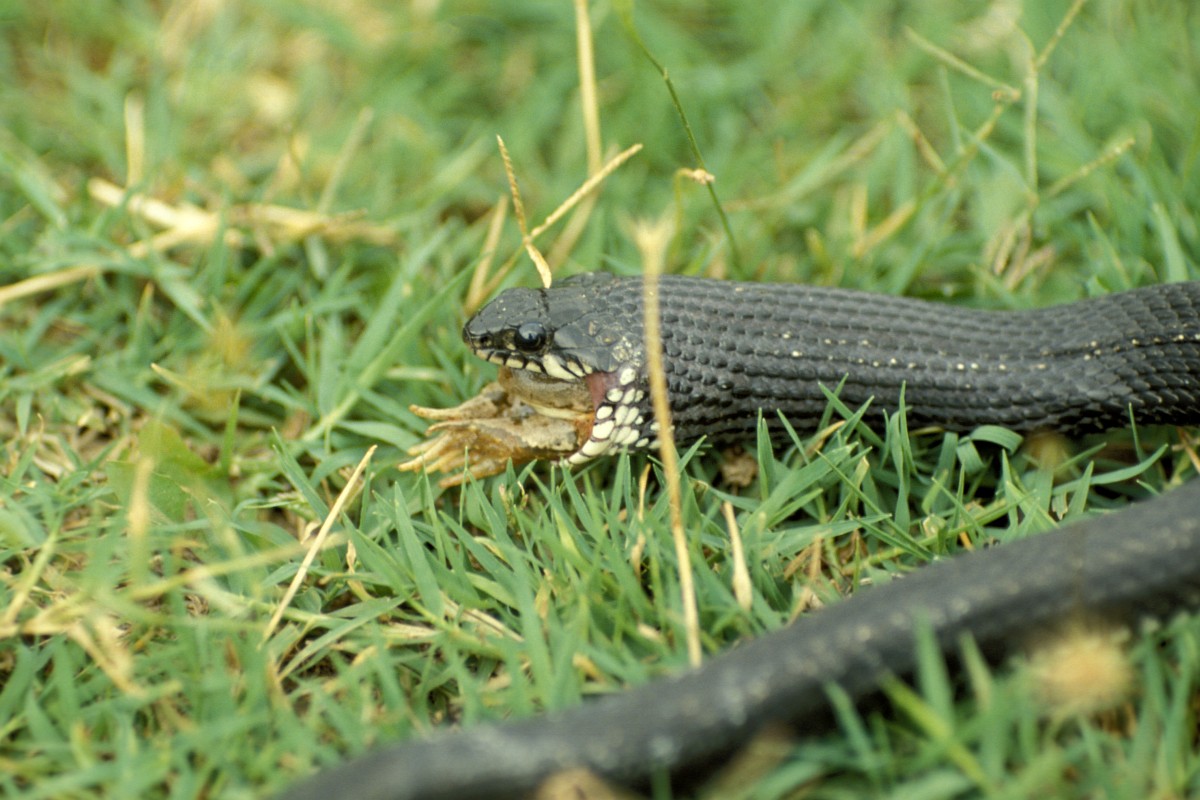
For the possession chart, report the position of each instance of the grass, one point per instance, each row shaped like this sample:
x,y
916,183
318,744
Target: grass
x,y
186,385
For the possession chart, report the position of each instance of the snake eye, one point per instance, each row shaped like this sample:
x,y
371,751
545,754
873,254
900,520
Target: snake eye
x,y
531,336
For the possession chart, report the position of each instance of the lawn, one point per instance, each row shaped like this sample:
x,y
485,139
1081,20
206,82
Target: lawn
x,y
238,239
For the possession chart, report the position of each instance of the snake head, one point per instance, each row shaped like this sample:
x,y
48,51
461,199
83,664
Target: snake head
x,y
561,332
572,348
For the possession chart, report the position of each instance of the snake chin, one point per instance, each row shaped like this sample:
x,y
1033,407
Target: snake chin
x,y
580,400
619,423
606,406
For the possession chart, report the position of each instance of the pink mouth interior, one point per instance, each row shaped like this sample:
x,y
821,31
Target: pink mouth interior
x,y
598,384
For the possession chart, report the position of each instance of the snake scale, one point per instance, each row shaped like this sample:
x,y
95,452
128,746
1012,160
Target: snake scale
x,y
736,351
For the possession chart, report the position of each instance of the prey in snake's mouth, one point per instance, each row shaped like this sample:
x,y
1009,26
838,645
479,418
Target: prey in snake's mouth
x,y
567,362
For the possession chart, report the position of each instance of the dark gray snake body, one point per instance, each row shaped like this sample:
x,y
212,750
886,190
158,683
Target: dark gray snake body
x,y
733,351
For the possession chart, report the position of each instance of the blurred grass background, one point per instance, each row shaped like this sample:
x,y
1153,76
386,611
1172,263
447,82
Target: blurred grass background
x,y
235,239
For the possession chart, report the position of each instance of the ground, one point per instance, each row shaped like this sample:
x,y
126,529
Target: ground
x,y
237,241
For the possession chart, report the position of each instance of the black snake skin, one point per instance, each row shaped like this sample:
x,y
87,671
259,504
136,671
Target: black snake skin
x,y
735,350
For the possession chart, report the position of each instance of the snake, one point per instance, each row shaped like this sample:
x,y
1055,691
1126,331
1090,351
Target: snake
x,y
739,355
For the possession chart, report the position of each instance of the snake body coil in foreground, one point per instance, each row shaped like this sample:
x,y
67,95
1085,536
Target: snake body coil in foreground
x,y
734,351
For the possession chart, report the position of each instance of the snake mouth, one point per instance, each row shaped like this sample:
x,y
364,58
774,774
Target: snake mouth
x,y
606,407
548,364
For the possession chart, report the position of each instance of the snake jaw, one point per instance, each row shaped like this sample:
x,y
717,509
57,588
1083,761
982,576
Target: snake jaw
x,y
606,406
564,369
619,421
